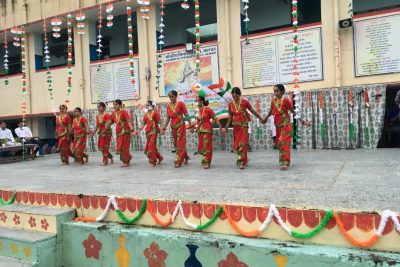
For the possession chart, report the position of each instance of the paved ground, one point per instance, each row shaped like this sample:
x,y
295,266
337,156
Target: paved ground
x,y
362,180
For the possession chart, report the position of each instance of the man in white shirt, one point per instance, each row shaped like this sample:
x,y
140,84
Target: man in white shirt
x,y
6,134
25,134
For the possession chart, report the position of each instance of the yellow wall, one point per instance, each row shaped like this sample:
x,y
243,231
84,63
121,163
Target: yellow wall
x,y
338,67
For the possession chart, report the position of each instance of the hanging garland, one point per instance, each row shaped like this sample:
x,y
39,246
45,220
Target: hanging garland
x,y
160,43
110,16
17,36
246,20
295,45
258,129
10,201
351,125
99,36
56,27
80,18
5,61
144,8
185,5
273,212
296,100
130,40
350,9
70,47
367,107
23,70
321,117
197,29
47,62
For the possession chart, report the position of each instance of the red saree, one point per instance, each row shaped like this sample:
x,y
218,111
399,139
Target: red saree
x,y
205,130
104,136
152,119
63,122
280,110
176,112
240,122
121,118
80,137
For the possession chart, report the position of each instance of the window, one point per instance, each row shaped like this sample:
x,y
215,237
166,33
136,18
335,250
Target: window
x,y
180,28
114,40
362,6
58,50
275,14
14,59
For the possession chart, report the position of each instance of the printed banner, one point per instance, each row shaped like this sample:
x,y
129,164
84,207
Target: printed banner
x,y
179,73
377,45
268,60
112,80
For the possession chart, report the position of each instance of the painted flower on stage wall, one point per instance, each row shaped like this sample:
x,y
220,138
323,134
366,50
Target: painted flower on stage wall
x,y
155,256
32,222
16,219
231,261
92,247
45,224
3,217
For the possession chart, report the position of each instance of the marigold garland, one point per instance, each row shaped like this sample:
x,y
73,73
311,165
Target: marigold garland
x,y
10,201
130,40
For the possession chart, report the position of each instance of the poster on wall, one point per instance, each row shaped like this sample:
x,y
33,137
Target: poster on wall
x,y
268,60
377,45
179,73
112,80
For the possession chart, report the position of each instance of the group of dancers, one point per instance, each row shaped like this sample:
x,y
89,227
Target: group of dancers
x,y
238,116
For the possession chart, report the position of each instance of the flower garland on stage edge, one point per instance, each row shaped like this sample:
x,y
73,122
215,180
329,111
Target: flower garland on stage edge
x,y
69,60
197,30
160,43
272,213
130,40
5,61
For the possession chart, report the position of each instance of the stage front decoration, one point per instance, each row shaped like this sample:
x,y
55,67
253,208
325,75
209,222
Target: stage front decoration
x,y
80,19
160,43
130,40
197,32
23,70
185,5
110,16
246,19
56,27
5,60
144,8
99,36
69,49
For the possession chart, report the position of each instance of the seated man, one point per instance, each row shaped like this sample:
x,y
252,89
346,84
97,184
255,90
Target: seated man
x,y
6,135
25,134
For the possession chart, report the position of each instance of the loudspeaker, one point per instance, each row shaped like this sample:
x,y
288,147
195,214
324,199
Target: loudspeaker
x,y
346,23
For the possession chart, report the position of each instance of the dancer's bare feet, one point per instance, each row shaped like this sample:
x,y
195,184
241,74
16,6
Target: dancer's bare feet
x,y
160,160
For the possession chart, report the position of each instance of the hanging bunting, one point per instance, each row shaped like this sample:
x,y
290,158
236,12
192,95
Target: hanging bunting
x,y
160,43
130,40
110,16
197,23
144,8
296,100
321,117
56,27
17,36
47,62
99,36
246,19
21,33
185,5
295,45
258,129
70,47
80,18
367,107
5,61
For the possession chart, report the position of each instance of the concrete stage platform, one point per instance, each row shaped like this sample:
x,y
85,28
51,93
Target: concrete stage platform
x,y
359,180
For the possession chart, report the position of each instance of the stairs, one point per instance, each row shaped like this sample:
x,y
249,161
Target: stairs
x,y
31,235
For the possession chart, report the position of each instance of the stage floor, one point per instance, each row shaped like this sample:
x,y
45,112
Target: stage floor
x,y
359,180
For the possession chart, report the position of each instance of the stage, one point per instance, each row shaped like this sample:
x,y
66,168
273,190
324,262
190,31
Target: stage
x,y
359,180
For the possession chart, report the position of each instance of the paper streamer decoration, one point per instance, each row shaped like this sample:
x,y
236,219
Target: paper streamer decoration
x,y
321,117
197,29
23,70
17,32
144,8
160,43
5,60
130,40
351,107
46,53
110,16
69,60
367,107
56,27
246,19
185,4
80,18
